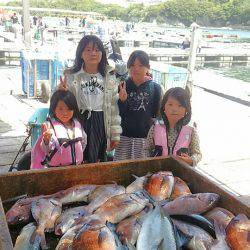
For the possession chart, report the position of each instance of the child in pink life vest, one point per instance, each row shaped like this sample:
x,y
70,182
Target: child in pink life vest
x,y
172,135
63,139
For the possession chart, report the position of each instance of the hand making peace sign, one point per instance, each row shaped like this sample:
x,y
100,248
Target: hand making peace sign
x,y
122,92
63,85
46,133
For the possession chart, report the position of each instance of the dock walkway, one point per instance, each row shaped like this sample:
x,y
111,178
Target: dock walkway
x,y
223,126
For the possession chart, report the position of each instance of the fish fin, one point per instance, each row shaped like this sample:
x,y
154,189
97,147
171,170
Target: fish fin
x,y
182,239
135,176
101,237
81,230
160,246
220,231
129,245
37,239
148,196
110,225
163,202
118,242
197,220
15,199
32,209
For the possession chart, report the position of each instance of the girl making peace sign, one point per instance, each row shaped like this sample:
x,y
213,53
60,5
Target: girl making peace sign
x,y
139,103
94,85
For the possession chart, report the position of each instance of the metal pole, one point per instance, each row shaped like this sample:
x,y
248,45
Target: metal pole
x,y
26,23
192,55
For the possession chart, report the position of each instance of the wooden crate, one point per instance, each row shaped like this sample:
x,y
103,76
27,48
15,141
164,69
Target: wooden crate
x,y
48,181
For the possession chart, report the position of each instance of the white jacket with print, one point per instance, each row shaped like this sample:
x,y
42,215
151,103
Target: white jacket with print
x,y
112,119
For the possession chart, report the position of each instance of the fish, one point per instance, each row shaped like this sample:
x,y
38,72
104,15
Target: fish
x,y
102,193
66,242
191,204
200,238
221,215
138,184
197,220
45,212
129,228
94,239
156,232
23,240
93,221
20,212
238,233
76,193
160,185
150,235
220,243
68,217
180,188
169,239
121,206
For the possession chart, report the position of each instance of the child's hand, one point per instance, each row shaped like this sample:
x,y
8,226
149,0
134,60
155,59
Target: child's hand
x,y
63,85
113,145
123,92
186,158
46,133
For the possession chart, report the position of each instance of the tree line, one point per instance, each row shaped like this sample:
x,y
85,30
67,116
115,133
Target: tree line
x,y
204,12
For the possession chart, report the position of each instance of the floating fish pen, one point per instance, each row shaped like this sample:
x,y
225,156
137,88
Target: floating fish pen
x,y
49,181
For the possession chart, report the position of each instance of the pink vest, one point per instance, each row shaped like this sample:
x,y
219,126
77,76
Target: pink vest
x,y
65,152
160,138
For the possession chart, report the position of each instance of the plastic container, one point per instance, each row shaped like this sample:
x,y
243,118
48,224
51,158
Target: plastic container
x,y
169,76
40,69
35,123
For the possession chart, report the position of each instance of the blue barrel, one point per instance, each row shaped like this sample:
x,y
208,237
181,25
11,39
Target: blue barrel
x,y
24,66
35,123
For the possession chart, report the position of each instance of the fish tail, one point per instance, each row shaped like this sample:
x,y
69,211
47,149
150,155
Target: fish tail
x,y
38,239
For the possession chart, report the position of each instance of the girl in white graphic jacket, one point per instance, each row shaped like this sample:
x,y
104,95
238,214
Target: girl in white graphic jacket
x,y
94,85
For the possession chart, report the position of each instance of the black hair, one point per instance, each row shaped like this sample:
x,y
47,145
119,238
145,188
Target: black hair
x,y
68,98
79,63
182,96
141,55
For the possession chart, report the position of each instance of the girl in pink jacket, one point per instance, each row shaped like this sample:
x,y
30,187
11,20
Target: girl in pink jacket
x,y
172,135
63,139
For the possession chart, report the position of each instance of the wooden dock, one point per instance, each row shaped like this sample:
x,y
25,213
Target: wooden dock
x,y
216,54
207,57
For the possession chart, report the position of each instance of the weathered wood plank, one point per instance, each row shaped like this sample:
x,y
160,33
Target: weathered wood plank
x,y
10,141
5,129
12,148
7,158
5,239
